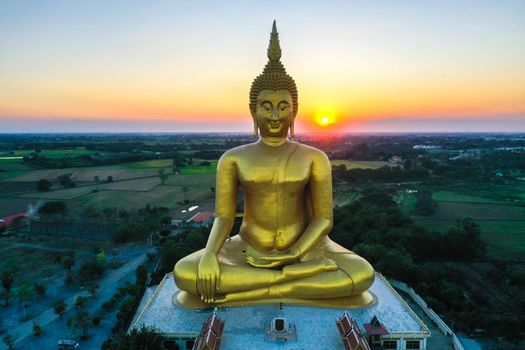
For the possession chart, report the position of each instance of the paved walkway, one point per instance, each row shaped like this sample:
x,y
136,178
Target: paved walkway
x,y
437,341
107,283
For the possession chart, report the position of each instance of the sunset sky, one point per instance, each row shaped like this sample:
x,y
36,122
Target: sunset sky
x,y
173,66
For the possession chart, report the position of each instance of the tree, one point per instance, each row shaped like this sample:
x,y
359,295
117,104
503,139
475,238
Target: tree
x,y
37,329
185,190
91,270
93,288
425,205
69,279
25,293
162,176
65,181
68,262
80,323
8,278
137,339
101,257
60,307
166,221
80,302
53,207
109,179
9,341
130,233
43,185
142,274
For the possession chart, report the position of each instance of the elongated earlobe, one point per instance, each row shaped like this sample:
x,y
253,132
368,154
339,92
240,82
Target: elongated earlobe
x,y
292,130
255,128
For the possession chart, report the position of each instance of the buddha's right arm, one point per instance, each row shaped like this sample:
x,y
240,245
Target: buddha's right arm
x,y
225,203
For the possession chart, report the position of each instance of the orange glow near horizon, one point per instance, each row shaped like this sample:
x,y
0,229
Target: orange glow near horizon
x,y
82,61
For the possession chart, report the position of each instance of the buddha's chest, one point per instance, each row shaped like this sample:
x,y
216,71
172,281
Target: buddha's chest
x,y
266,172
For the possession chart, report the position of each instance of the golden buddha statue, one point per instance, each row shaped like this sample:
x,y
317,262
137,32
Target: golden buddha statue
x,y
283,252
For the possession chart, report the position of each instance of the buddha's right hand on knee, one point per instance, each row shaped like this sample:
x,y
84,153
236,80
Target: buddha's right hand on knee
x,y
208,276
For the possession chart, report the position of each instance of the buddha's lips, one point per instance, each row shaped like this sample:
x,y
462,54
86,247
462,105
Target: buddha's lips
x,y
275,125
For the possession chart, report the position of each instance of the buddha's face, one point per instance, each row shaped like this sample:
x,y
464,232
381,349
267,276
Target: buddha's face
x,y
274,113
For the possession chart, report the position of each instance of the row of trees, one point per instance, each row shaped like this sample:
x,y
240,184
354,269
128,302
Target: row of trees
x,y
436,264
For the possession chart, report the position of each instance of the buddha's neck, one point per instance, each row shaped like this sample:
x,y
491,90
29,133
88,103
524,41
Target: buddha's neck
x,y
273,141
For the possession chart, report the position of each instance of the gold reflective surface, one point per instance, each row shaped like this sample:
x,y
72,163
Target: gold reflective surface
x,y
283,252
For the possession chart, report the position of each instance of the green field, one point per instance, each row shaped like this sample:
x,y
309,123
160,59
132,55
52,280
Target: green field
x,y
495,209
504,239
154,163
199,169
56,153
511,193
361,164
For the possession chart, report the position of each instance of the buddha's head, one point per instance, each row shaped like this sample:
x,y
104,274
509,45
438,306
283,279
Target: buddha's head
x,y
273,95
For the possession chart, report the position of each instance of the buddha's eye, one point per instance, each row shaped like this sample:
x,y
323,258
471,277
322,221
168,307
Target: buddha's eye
x,y
284,106
267,106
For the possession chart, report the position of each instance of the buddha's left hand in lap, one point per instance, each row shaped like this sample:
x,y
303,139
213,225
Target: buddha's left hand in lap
x,y
273,260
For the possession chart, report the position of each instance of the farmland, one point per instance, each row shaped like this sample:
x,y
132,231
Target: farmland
x,y
132,186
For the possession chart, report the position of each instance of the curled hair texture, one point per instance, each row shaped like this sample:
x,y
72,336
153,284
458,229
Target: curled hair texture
x,y
274,76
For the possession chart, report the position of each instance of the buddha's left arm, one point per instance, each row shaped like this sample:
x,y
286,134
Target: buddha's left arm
x,y
321,223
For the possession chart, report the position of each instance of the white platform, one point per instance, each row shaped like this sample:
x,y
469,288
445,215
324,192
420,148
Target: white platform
x,y
244,327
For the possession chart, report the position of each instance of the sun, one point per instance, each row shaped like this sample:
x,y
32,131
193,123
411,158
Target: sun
x,y
324,120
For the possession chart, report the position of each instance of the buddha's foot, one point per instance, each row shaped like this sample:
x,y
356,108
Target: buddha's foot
x,y
306,269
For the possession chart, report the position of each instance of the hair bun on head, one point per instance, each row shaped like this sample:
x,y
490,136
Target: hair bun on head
x,y
274,76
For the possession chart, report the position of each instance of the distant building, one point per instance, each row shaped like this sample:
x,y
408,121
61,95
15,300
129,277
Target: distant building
x,y
204,218
13,221
396,160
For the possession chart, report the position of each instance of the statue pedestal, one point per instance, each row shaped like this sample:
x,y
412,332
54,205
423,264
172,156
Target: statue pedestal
x,y
245,326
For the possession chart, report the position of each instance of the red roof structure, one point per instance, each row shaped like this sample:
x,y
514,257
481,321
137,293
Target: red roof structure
x,y
375,327
10,220
201,217
351,334
210,335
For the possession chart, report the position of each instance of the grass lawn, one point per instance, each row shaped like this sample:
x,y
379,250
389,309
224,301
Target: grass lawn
x,y
361,164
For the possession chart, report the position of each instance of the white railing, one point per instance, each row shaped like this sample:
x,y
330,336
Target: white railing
x,y
428,311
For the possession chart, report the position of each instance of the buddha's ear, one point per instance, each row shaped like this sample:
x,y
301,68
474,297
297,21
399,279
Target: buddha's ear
x,y
255,126
292,127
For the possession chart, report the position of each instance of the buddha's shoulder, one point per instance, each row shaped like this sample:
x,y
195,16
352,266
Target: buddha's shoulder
x,y
311,152
236,153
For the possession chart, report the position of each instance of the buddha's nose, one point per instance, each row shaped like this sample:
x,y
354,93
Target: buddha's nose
x,y
275,114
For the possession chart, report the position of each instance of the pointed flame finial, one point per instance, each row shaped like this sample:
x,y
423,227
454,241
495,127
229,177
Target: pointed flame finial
x,y
274,49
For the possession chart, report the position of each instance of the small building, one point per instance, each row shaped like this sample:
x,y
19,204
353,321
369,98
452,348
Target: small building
x,y
210,336
204,218
379,337
396,160
12,222
351,334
